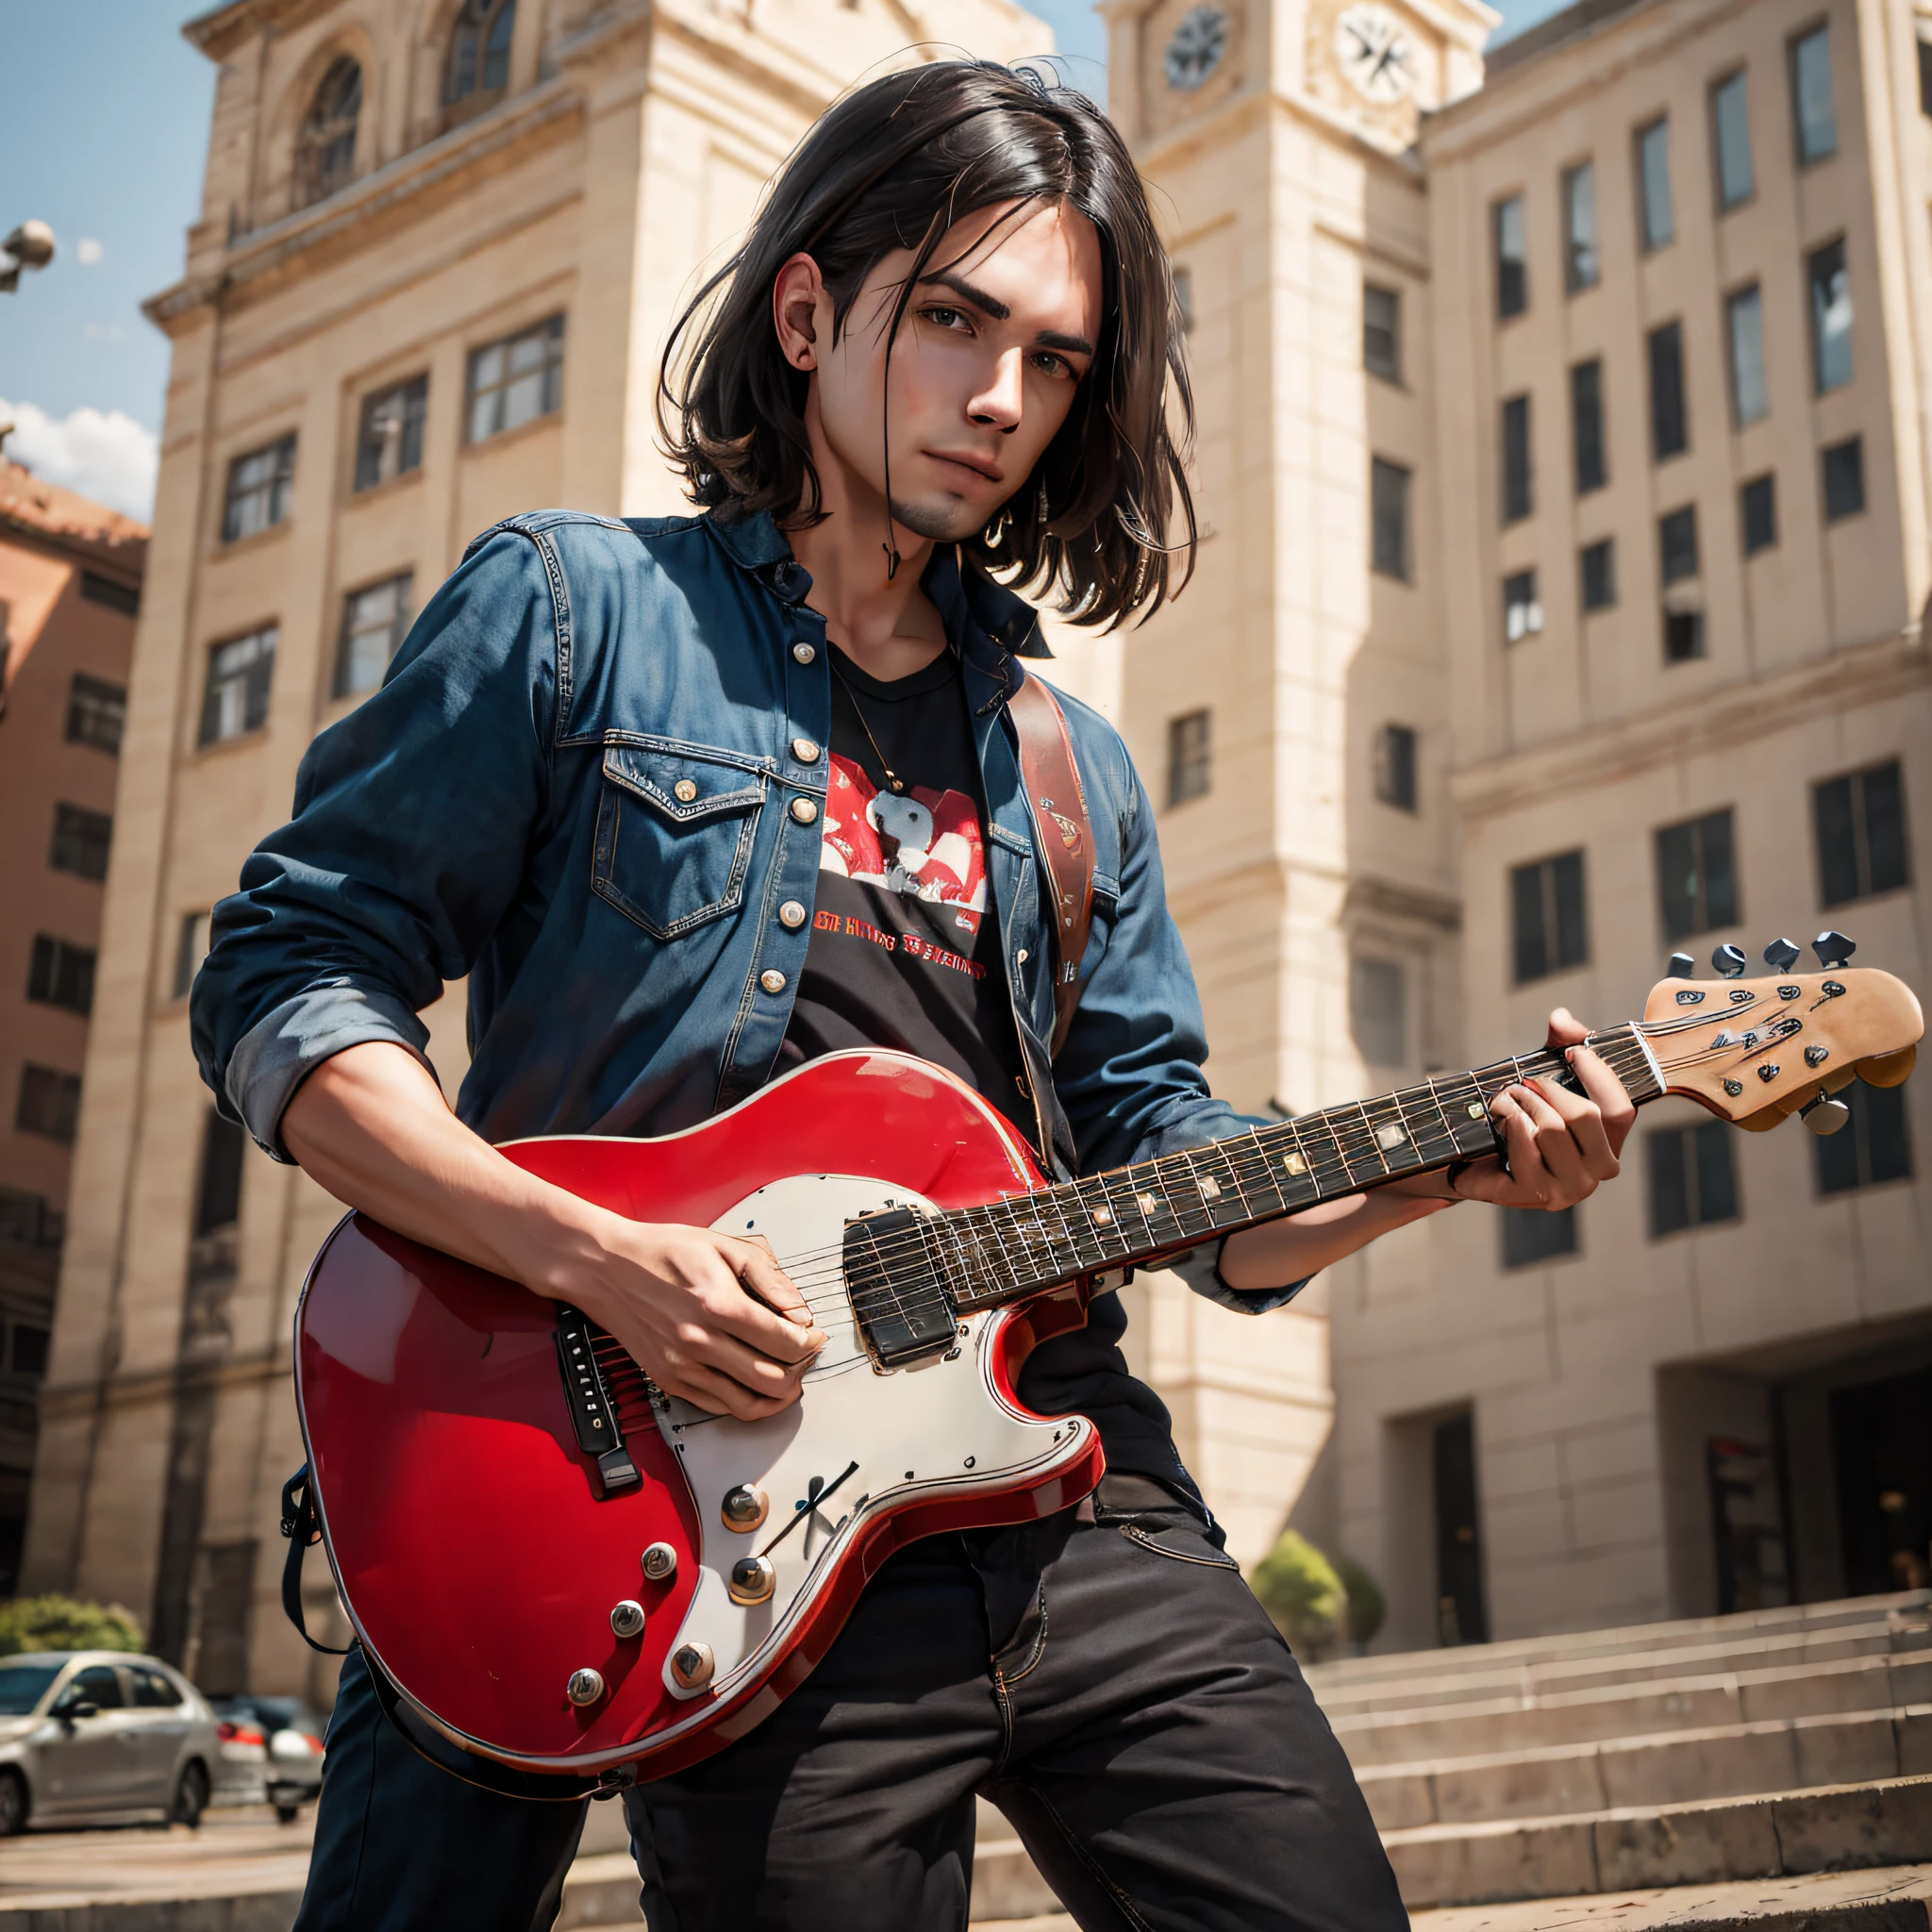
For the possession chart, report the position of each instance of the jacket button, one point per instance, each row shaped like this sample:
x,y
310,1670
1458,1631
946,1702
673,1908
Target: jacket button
x,y
803,652
804,810
791,915
684,790
772,979
805,751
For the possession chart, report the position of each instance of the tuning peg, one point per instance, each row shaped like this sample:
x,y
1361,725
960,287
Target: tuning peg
x,y
1781,956
1680,966
1729,961
1825,1115
1833,950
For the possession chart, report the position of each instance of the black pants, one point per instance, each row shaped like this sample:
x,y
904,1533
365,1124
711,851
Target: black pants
x,y
1112,1686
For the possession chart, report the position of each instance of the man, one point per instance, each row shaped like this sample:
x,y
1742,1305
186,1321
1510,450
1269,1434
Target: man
x,y
691,800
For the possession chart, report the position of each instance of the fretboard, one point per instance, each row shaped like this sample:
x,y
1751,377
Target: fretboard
x,y
1131,1215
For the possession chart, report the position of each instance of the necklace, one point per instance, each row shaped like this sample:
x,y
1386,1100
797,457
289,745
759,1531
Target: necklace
x,y
892,778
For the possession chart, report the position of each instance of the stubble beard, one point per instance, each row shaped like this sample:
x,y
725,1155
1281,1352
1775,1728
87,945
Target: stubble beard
x,y
937,523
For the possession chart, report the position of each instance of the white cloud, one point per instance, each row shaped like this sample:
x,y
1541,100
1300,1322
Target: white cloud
x,y
87,251
104,332
106,455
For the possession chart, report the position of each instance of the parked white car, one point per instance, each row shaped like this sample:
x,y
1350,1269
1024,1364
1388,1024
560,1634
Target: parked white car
x,y
97,1735
271,1752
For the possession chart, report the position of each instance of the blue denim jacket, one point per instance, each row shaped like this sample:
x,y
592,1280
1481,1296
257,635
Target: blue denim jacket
x,y
584,785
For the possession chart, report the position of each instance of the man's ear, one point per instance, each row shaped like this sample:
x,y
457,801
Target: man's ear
x,y
796,292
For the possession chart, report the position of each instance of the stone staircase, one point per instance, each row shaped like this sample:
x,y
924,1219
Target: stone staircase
x,y
1690,1762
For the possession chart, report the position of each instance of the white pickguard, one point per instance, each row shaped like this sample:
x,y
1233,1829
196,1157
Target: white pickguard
x,y
938,1428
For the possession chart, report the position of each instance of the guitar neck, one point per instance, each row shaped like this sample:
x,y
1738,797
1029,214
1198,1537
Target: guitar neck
x,y
1130,1216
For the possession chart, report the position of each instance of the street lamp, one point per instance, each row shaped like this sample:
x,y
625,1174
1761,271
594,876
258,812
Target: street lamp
x,y
30,246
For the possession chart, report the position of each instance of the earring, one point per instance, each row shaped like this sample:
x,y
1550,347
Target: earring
x,y
1040,510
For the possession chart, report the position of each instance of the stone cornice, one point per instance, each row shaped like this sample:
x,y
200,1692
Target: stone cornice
x,y
222,30
1738,713
129,1389
1170,149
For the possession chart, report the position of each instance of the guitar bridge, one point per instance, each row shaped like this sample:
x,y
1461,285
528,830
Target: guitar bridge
x,y
599,1434
904,1311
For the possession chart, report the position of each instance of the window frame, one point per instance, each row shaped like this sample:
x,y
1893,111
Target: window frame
x,y
1767,483
1738,77
414,391
403,583
553,329
1385,474
55,1094
1550,910
1670,526
1392,371
1698,835
1836,507
1822,383
323,165
90,696
56,966
1607,548
1516,459
254,715
1857,1138
1692,1141
1189,764
1522,591
1650,241
1512,297
81,835
1795,43
1665,397
1576,250
1735,301
1588,479
1394,762
278,487
1865,882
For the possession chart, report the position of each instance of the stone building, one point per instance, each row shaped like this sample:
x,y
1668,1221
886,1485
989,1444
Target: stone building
x,y
70,585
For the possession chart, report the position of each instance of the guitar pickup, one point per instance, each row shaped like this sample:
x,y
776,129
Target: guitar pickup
x,y
904,1311
599,1434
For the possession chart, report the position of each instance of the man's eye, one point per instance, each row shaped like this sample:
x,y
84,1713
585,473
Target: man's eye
x,y
1053,365
944,317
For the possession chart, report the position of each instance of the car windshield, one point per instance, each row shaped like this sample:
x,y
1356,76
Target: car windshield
x,y
21,1686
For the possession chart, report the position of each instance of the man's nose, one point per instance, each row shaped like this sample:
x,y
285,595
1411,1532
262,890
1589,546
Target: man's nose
x,y
998,404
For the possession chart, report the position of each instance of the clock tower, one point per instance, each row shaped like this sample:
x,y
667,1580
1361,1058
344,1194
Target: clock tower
x,y
1301,670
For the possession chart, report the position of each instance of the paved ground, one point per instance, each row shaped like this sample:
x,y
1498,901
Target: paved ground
x,y
235,1852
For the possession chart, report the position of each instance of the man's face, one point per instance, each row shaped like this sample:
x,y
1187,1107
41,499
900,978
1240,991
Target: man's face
x,y
998,332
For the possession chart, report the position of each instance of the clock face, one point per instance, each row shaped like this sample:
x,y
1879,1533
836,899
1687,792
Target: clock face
x,y
1373,50
1197,48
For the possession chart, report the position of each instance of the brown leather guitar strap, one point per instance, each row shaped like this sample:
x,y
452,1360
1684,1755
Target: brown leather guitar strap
x,y
1063,833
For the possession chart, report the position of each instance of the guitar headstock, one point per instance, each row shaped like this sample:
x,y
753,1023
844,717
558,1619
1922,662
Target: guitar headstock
x,y
1754,1051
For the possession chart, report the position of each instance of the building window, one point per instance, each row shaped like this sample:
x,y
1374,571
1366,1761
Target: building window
x,y
1523,610
110,592
1389,513
1873,1146
326,147
478,70
240,674
1730,134
1512,258
1532,1235
1395,766
49,1102
218,1200
1861,834
1924,71
1844,479
375,622
1814,123
96,712
391,442
28,1353
1676,543
1659,221
1517,476
1696,881
1683,635
1744,318
1692,1181
1831,317
1546,905
62,975
80,841
191,949
1379,1012
1758,512
1582,267
1189,756
1670,428
1382,332
261,485
1586,426
1184,297
1598,569
516,381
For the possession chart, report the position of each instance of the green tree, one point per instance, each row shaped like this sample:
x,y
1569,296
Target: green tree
x,y
1299,1588
64,1623
1366,1606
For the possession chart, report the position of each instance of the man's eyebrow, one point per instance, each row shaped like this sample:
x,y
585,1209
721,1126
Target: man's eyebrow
x,y
992,305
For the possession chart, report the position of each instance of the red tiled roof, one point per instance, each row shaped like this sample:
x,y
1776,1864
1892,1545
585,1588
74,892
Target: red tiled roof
x,y
35,507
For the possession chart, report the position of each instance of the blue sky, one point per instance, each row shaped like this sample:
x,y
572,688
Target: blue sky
x,y
105,110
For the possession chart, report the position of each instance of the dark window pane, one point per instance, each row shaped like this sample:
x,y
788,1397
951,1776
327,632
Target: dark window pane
x,y
516,381
1676,543
1750,397
1599,567
1395,766
1670,432
81,839
1844,480
29,1357
240,675
1535,1233
1924,73
1838,843
391,442
1831,317
62,975
325,145
49,1102
1885,828
126,598
96,712
261,485
479,69
1731,131
1812,115
1389,507
1669,1182
1512,258
1874,1145
1659,223
375,622
218,1200
1757,511
1861,834
1586,426
1516,460
1523,610
1683,635
1581,264
1717,1180
1697,882
1382,332
1526,911
1190,756
1572,940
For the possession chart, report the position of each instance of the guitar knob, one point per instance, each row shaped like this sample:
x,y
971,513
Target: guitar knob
x,y
627,1619
691,1665
1729,961
1781,956
585,1687
753,1580
1825,1115
1833,950
659,1561
744,1508
1680,966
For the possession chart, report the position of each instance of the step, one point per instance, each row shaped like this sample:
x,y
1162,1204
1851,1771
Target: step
x,y
1836,1828
1907,1605
600,1890
1710,1702
1669,1768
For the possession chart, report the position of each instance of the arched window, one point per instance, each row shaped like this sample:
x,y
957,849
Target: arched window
x,y
479,54
325,148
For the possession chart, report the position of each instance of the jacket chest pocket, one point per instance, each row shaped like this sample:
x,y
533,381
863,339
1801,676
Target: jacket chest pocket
x,y
674,835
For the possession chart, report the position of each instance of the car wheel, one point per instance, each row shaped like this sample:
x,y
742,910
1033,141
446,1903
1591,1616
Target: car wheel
x,y
12,1803
287,1814
191,1797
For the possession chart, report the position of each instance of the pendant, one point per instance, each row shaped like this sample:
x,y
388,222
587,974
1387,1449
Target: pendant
x,y
897,784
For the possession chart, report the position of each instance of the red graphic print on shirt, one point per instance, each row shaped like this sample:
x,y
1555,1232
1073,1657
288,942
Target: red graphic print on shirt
x,y
923,843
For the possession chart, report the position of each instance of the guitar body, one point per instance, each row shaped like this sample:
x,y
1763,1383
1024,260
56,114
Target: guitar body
x,y
473,1541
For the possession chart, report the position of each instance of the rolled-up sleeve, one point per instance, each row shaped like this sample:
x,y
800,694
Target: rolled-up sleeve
x,y
412,816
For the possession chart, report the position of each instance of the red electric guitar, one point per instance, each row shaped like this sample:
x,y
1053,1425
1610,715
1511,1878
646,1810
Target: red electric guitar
x,y
564,1571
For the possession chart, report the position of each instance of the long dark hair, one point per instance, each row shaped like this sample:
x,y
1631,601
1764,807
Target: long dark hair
x,y
892,166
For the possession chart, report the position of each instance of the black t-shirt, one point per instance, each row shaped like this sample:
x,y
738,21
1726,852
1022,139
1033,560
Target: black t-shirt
x,y
905,953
